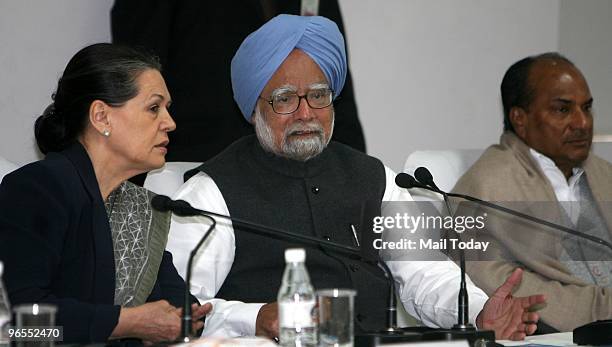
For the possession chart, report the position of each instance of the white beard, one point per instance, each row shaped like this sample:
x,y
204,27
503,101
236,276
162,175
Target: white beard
x,y
296,149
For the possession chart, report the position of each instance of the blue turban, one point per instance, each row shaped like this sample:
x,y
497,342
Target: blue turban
x,y
264,50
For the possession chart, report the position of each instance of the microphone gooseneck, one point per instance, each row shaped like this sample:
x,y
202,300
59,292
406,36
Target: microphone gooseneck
x,y
178,207
424,176
160,203
163,203
595,333
463,330
403,183
183,208
534,219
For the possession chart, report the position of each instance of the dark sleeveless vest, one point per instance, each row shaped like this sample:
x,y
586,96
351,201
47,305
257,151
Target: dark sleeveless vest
x,y
321,197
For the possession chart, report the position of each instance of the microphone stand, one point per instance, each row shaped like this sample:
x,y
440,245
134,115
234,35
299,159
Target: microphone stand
x,y
391,328
391,332
594,333
463,330
186,320
163,204
463,321
404,182
369,210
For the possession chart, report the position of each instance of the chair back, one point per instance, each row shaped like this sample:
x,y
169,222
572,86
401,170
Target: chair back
x,y
446,167
168,179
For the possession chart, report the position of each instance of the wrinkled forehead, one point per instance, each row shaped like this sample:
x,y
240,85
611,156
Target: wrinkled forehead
x,y
298,73
289,88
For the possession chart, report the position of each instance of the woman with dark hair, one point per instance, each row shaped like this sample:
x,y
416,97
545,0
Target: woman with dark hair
x,y
73,231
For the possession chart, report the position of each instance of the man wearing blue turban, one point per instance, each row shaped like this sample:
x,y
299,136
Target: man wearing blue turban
x,y
285,77
263,52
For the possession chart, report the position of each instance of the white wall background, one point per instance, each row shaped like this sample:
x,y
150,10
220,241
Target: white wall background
x,y
426,72
37,38
586,37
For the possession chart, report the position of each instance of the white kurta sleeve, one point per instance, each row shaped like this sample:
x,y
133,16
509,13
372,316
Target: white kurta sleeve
x,y
213,261
428,289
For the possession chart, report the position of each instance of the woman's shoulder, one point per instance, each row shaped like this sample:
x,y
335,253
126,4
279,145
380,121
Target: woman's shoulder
x,y
54,174
54,164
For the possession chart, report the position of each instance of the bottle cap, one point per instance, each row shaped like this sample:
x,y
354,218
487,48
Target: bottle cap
x,y
295,255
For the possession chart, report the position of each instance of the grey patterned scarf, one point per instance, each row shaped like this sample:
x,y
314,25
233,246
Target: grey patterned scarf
x,y
139,238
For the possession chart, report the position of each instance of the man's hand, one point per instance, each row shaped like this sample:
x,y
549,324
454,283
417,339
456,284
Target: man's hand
x,y
508,316
267,321
197,313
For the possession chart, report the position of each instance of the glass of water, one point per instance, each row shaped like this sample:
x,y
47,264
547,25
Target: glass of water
x,y
336,308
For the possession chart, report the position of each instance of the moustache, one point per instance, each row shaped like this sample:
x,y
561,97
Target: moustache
x,y
579,135
298,128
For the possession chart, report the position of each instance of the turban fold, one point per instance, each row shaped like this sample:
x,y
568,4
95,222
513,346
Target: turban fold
x,y
264,50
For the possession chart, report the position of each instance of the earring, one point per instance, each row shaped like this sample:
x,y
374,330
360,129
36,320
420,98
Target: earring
x,y
106,132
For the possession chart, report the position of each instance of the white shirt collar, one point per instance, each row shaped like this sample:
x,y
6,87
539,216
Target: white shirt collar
x,y
548,166
565,189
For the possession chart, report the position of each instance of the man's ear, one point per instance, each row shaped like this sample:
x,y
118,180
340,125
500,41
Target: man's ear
x,y
518,118
255,110
99,117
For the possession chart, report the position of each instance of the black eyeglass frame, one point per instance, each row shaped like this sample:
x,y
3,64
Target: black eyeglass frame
x,y
300,97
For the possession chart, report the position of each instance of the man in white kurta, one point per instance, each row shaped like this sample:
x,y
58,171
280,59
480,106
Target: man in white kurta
x,y
428,290
290,176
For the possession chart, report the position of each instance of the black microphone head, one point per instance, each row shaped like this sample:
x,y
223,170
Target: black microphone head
x,y
405,180
161,203
183,208
424,176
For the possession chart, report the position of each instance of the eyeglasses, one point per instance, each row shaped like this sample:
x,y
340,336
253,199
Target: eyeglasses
x,y
288,102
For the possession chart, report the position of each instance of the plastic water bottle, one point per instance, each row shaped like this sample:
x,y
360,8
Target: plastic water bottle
x,y
296,303
5,312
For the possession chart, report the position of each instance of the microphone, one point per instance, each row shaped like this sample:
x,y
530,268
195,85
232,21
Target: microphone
x,y
405,180
371,209
183,208
163,203
593,333
463,329
424,176
403,184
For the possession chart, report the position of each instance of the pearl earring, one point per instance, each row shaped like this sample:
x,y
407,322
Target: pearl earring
x,y
106,132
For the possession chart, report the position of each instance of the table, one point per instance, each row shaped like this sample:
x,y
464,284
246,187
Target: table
x,y
557,339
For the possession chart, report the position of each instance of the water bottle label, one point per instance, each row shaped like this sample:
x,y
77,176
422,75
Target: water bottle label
x,y
296,314
5,320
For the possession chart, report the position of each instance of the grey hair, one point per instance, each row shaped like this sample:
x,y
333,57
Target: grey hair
x,y
301,150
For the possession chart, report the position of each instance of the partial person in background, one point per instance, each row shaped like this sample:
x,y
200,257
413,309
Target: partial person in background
x,y
290,175
195,41
73,232
544,156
